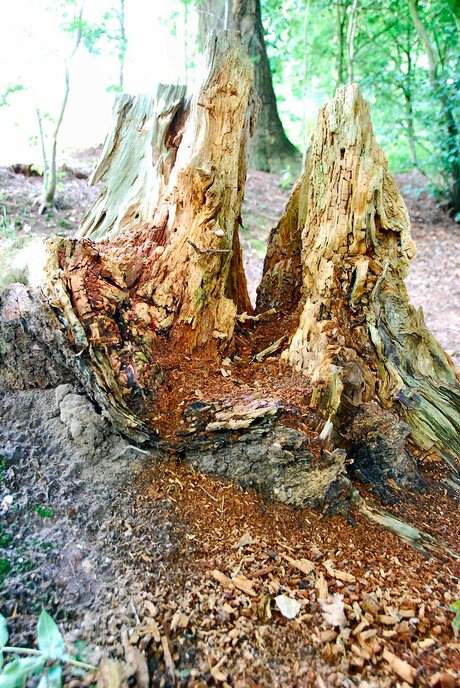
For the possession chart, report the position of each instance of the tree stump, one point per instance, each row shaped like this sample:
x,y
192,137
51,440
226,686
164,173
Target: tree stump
x,y
149,312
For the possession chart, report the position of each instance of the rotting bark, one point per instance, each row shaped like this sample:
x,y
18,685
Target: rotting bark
x,y
136,161
358,338
156,325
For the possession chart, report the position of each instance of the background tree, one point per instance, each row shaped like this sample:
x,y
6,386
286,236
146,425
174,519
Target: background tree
x,y
272,151
440,58
114,28
80,32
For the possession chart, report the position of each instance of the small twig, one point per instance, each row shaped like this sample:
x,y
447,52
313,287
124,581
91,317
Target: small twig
x,y
208,493
244,317
203,251
136,615
270,349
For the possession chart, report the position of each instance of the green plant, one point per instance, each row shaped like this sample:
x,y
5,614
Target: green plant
x,y
47,660
6,225
455,607
4,568
5,538
43,511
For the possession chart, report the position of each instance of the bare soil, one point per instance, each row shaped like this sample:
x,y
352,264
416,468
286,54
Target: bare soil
x,y
175,574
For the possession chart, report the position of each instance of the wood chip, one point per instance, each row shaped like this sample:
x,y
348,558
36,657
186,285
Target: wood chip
x,y
387,620
336,573
218,675
327,636
400,667
110,673
221,578
321,586
243,584
170,667
304,565
360,627
426,643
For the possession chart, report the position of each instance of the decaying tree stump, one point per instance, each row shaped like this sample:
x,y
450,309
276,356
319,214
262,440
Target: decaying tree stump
x,y
148,310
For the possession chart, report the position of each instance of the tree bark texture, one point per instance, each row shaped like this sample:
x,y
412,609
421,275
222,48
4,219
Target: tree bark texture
x,y
271,149
358,338
155,323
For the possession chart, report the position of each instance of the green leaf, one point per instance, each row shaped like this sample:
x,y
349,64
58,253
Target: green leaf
x,y
15,672
49,636
3,630
52,678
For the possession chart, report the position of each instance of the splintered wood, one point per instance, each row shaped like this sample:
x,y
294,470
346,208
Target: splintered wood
x,y
347,233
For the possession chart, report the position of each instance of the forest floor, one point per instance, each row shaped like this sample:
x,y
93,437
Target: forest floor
x,y
175,574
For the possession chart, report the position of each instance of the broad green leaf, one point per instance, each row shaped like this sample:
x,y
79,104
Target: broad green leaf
x,y
52,678
49,636
3,631
1,659
14,673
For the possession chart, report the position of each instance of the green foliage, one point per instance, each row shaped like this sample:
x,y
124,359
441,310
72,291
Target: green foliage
x,y
43,511
8,91
5,567
455,607
415,119
50,655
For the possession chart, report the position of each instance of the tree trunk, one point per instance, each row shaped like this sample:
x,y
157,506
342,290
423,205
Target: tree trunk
x,y
155,322
271,150
447,109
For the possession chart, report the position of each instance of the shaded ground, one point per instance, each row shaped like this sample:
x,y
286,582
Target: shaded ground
x,y
175,574
134,555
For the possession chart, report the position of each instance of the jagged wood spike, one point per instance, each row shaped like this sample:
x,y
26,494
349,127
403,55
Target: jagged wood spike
x,y
177,282
135,162
358,338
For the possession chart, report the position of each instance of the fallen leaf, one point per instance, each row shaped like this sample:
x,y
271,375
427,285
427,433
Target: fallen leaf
x,y
333,611
244,540
288,607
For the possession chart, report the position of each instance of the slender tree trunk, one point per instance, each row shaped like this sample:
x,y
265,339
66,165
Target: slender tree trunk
x,y
341,16
122,49
50,162
155,322
305,82
271,150
411,138
351,33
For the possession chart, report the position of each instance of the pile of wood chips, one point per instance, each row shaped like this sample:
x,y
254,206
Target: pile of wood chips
x,y
259,594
